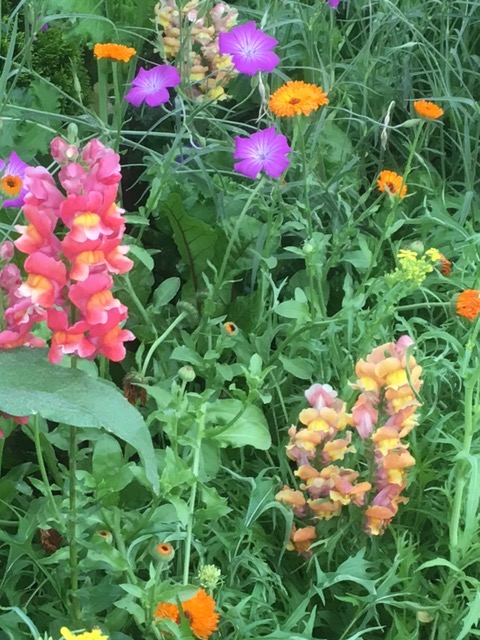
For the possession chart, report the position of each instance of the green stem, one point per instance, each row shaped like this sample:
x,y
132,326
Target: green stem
x,y
2,445
42,468
72,527
102,91
462,472
233,237
118,113
193,497
159,340
72,521
137,303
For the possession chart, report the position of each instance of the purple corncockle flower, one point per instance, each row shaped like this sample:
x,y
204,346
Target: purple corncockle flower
x,y
152,86
334,3
265,150
250,49
12,176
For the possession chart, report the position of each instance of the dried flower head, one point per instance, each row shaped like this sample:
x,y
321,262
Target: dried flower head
x,y
296,98
427,110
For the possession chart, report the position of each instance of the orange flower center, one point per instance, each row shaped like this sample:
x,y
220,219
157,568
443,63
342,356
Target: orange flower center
x,y
11,185
294,101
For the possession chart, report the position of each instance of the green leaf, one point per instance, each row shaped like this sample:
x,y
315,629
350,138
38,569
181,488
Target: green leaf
x,y
142,254
293,309
30,384
196,240
249,426
165,292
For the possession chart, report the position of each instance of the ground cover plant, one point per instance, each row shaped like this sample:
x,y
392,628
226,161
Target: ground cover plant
x,y
239,300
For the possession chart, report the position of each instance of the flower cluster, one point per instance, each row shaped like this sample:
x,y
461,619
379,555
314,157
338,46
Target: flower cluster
x,y
73,245
414,266
199,611
96,634
384,412
202,63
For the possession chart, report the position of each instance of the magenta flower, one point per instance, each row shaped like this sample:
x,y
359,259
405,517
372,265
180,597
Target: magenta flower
x,y
250,49
12,175
265,150
334,3
152,86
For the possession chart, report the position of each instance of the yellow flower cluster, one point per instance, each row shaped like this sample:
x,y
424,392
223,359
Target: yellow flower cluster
x,y
96,634
193,42
414,267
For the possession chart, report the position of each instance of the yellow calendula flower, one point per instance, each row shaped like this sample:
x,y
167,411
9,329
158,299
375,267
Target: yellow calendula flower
x,y
434,254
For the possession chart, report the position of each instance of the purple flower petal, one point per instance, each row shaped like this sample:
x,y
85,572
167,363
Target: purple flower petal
x,y
265,150
334,3
250,49
151,85
158,97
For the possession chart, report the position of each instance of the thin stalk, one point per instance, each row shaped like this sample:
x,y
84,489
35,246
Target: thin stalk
x,y
159,340
462,473
118,112
42,468
72,521
102,91
136,301
235,231
193,497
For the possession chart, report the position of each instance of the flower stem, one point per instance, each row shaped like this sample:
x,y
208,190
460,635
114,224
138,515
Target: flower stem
x,y
42,468
234,236
193,497
102,91
159,340
462,472
72,521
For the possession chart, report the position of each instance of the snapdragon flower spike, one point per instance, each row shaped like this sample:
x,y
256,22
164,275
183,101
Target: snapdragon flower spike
x,y
12,175
265,150
250,48
152,86
70,277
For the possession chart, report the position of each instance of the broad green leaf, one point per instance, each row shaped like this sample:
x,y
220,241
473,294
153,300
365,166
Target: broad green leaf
x,y
248,427
141,254
196,240
30,384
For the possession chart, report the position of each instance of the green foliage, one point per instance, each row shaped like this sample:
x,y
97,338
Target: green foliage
x,y
243,293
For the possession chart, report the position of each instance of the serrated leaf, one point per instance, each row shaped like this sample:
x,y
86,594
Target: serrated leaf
x,y
196,240
249,426
30,385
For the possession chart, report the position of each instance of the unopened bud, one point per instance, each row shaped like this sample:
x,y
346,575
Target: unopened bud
x,y
164,551
187,373
7,250
209,576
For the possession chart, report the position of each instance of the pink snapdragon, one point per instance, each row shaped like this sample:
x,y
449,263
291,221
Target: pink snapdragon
x,y
68,280
384,412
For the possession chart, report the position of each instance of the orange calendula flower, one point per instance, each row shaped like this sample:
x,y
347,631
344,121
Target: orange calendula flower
x,y
118,52
427,109
199,610
446,268
296,98
468,304
391,183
